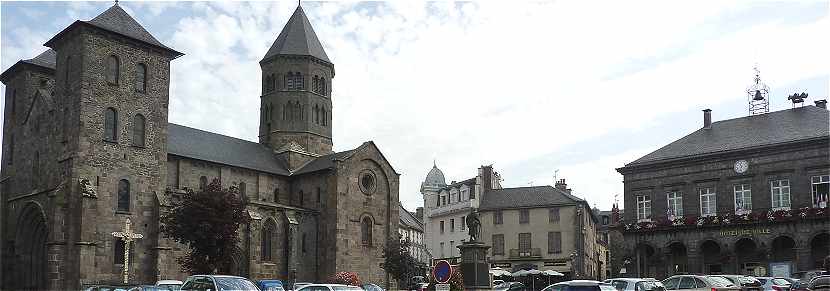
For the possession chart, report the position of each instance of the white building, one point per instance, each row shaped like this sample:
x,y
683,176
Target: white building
x,y
412,229
446,206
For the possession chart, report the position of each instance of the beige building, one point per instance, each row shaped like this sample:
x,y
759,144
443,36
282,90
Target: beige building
x,y
543,228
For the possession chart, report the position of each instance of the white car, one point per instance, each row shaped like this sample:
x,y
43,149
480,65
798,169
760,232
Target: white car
x,y
774,284
634,284
329,287
169,285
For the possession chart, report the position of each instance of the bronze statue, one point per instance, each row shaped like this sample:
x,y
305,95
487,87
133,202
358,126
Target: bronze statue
x,y
474,225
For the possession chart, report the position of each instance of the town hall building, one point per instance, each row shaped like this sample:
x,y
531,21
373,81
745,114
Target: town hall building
x,y
87,146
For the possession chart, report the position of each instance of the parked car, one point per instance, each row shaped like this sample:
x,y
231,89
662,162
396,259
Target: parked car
x,y
577,285
270,285
820,283
745,282
298,285
218,283
143,288
510,286
699,283
371,287
799,285
497,282
774,284
169,285
635,284
329,287
807,275
108,288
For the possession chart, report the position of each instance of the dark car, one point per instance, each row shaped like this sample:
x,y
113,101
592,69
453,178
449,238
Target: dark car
x,y
270,285
820,283
799,285
510,286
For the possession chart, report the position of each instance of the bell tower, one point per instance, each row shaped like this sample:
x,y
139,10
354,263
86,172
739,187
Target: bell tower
x,y
295,105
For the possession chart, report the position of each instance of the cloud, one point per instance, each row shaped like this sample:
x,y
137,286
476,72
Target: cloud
x,y
486,82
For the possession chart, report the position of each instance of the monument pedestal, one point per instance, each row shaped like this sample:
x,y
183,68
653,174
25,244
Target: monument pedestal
x,y
474,266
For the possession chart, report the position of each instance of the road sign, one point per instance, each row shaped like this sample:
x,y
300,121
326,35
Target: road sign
x,y
442,272
442,287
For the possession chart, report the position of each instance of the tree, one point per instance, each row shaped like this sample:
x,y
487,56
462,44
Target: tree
x,y
207,222
397,260
617,251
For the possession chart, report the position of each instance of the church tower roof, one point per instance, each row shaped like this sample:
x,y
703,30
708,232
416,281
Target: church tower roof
x,y
116,20
297,38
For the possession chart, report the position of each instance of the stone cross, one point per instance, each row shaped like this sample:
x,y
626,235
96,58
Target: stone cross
x,y
128,236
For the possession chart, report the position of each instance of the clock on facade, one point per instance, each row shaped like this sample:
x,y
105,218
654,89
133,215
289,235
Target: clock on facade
x,y
741,166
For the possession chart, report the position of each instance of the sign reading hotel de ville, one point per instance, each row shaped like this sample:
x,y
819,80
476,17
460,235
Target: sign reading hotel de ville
x,y
748,231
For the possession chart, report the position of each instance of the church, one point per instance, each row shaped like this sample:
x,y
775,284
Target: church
x,y
87,146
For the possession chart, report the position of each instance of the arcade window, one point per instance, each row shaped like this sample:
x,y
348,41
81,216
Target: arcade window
x,y
743,198
643,207
675,200
708,202
452,225
821,190
780,194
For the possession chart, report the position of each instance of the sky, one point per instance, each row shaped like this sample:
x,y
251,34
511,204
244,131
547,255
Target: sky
x,y
572,89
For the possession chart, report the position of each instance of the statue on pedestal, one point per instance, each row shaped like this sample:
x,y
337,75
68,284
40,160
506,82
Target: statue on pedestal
x,y
474,225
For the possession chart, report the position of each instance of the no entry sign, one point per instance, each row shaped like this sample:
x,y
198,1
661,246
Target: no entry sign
x,y
442,272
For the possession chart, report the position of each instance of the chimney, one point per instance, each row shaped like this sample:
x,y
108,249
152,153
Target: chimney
x,y
561,185
707,118
615,214
419,213
486,178
821,103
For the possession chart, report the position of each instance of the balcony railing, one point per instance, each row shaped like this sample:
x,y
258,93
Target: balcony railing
x,y
755,216
526,253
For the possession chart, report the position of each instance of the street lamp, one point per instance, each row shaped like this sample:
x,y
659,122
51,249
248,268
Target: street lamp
x,y
574,274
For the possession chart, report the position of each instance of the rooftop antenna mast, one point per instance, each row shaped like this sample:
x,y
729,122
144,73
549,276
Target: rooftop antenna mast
x,y
758,95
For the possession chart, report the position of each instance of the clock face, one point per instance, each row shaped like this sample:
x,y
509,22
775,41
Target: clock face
x,y
741,166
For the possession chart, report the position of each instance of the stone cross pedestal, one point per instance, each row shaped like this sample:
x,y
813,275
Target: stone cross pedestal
x,y
128,236
474,265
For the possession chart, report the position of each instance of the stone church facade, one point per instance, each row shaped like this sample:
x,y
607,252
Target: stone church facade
x,y
87,145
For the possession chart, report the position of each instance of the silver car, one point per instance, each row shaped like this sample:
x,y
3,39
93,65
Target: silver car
x,y
698,283
635,284
774,284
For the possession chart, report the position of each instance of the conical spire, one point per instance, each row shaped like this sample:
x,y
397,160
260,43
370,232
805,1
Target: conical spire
x,y
116,20
297,38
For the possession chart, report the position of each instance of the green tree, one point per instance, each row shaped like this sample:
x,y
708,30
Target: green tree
x,y
398,262
206,221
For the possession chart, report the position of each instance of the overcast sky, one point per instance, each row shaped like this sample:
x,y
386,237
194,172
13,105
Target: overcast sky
x,y
530,87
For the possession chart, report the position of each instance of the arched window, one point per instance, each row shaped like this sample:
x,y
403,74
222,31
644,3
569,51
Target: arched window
x,y
268,233
366,230
289,81
141,78
123,196
316,114
302,198
319,195
273,82
324,116
323,86
277,195
138,130
110,124
315,84
242,188
202,183
112,69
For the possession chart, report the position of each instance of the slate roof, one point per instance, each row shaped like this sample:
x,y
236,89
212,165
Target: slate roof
x,y
523,197
116,20
46,59
207,146
802,123
406,218
324,162
297,38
